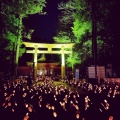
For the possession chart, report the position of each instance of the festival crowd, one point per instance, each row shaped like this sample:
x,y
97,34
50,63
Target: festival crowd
x,y
47,101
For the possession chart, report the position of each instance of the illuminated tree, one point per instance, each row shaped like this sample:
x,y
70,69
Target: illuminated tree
x,y
82,29
14,12
5,55
64,32
75,25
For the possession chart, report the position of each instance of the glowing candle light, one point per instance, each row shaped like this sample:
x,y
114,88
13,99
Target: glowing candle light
x,y
77,116
6,106
26,117
26,105
30,109
111,118
15,104
9,103
100,110
54,114
55,99
53,108
5,94
77,108
49,107
13,110
3,104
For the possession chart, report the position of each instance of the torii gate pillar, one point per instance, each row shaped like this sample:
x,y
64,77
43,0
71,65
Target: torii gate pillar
x,y
35,62
63,63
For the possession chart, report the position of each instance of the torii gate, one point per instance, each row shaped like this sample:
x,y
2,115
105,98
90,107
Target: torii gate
x,y
49,51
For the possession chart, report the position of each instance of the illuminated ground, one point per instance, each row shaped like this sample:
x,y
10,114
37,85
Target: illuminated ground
x,y
58,83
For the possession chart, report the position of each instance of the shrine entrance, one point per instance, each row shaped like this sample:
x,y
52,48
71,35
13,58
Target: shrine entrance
x,y
49,49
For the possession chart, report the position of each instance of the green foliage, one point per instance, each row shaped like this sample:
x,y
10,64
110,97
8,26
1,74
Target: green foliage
x,y
81,28
21,51
72,59
13,13
62,37
28,34
66,10
83,10
23,8
76,25
82,24
64,31
10,36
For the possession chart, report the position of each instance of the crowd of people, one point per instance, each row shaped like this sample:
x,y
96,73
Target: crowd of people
x,y
101,100
22,101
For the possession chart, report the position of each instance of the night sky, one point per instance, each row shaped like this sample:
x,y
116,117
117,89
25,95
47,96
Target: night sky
x,y
44,25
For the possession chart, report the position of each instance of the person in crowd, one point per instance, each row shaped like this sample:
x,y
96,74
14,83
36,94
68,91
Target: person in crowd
x,y
29,81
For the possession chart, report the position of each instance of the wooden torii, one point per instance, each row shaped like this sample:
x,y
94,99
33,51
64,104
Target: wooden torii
x,y
49,50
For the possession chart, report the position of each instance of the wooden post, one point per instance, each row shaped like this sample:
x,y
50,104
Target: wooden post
x,y
63,63
35,62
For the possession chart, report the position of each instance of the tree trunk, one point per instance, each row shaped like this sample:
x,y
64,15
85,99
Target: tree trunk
x,y
18,44
94,42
